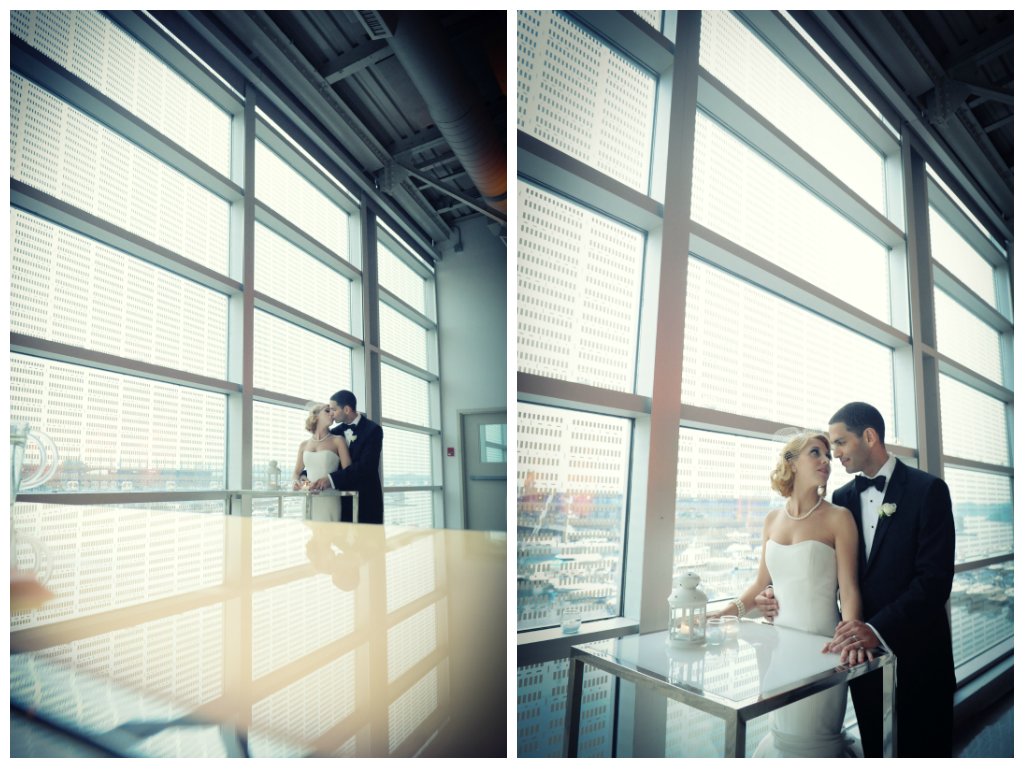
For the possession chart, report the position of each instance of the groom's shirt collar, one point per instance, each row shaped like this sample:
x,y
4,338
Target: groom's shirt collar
x,y
356,420
885,471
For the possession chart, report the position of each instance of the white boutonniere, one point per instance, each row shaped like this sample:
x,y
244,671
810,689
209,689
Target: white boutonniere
x,y
354,436
886,509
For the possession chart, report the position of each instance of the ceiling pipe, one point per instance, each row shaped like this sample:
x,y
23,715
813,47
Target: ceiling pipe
x,y
454,103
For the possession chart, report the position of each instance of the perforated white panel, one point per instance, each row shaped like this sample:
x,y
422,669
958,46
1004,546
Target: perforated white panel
x,y
411,708
743,196
571,479
747,351
651,17
57,149
294,619
73,290
973,424
540,710
277,344
580,96
410,573
402,337
578,293
413,509
404,397
410,641
91,46
406,457
290,275
112,429
304,710
399,278
982,512
952,251
733,54
277,432
966,338
288,194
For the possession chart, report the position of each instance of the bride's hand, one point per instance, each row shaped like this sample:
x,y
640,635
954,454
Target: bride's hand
x,y
767,604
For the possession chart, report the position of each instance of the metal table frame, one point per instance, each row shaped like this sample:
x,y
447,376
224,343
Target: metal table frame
x,y
235,499
735,713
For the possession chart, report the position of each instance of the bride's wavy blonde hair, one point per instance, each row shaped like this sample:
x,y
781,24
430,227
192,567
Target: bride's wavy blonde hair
x,y
782,476
314,411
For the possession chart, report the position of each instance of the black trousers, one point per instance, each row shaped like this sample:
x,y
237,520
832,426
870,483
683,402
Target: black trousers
x,y
924,713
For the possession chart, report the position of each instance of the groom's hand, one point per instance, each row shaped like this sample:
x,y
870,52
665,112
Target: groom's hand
x,y
767,604
323,484
854,641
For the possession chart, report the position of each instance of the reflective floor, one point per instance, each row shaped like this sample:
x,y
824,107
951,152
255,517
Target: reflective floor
x,y
200,635
990,734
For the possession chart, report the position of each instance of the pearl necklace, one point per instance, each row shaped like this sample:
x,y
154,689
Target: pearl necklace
x,y
803,517
321,439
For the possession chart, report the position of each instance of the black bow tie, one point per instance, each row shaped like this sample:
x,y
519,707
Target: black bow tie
x,y
862,482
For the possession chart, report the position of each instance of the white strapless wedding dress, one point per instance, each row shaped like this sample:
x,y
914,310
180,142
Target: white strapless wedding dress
x,y
805,579
321,464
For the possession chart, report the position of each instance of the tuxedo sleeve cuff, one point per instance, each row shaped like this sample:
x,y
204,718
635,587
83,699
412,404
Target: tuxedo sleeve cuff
x,y
881,641
331,479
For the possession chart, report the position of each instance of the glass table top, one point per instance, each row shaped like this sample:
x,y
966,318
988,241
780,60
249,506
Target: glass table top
x,y
762,662
203,635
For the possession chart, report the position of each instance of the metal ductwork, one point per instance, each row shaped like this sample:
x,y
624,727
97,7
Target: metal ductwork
x,y
454,103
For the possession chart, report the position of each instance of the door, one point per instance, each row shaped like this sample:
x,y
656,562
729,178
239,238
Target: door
x,y
485,469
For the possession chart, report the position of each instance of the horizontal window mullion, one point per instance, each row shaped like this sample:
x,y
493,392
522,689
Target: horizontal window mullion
x,y
412,488
416,261
298,237
297,317
995,469
944,279
543,390
962,373
123,497
404,425
53,350
400,306
278,398
972,565
404,365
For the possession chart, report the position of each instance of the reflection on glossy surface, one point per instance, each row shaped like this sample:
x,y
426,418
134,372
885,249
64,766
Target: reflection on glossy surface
x,y
319,639
763,661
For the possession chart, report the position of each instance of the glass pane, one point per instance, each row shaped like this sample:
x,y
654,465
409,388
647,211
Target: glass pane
x,y
401,279
115,432
406,458
414,510
580,96
540,710
982,512
283,189
73,290
404,397
973,424
493,443
571,506
651,17
741,195
402,337
410,573
723,494
410,709
745,359
276,344
293,277
91,46
59,150
981,610
689,732
277,432
748,67
952,251
966,338
578,298
103,559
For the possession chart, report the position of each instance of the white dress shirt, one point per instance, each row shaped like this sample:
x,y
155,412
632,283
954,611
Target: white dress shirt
x,y
348,437
870,500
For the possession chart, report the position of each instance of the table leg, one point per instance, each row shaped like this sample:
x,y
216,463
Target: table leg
x,y
280,506
355,508
889,709
308,513
735,736
573,704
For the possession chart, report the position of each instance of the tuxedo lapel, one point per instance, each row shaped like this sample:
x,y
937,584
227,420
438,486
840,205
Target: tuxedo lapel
x,y
893,495
853,504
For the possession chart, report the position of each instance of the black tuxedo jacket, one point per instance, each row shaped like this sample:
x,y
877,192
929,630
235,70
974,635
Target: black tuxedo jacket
x,y
363,474
904,586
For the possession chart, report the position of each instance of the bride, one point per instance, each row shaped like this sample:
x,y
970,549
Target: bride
x,y
321,455
809,548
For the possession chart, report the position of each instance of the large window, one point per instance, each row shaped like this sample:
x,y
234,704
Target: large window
x,y
662,341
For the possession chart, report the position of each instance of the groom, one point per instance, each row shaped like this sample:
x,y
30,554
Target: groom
x,y
905,570
365,440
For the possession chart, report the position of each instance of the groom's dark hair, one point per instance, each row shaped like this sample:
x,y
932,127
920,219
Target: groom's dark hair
x,y
343,398
859,416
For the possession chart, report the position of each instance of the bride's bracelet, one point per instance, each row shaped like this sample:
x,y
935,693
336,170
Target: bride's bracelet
x,y
740,609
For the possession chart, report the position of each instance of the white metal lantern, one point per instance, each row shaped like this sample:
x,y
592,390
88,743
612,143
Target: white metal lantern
x,y
688,608
274,475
